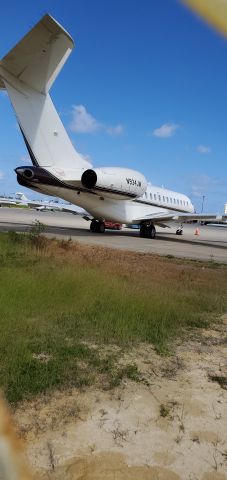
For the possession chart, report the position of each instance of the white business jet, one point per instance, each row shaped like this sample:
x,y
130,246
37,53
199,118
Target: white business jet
x,y
53,206
6,202
20,199
121,195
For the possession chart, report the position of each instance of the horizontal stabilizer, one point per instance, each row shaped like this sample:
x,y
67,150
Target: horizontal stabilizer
x,y
38,58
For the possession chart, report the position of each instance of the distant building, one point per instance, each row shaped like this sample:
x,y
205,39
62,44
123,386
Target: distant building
x,y
225,208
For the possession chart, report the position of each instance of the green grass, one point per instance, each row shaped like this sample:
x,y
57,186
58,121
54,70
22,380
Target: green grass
x,y
57,299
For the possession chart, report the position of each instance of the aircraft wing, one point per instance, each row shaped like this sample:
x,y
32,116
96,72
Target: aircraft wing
x,y
30,203
72,209
26,203
55,206
163,218
43,205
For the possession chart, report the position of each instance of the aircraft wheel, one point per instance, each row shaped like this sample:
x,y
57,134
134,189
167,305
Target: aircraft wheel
x,y
101,228
97,227
179,231
151,231
93,226
143,231
147,231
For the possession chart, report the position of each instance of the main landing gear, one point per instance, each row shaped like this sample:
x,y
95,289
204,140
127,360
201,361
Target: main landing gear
x,y
147,230
97,227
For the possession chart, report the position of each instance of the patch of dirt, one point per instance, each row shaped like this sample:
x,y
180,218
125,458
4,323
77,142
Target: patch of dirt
x,y
170,425
110,466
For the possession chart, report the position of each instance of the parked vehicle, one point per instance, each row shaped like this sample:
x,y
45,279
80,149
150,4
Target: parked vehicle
x,y
113,226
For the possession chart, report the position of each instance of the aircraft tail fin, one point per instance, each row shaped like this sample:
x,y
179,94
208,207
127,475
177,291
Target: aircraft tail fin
x,y
21,196
38,58
28,72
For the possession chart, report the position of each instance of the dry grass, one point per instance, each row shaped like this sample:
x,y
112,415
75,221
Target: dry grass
x,y
125,263
59,298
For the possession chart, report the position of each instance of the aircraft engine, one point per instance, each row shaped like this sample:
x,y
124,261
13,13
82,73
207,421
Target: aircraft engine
x,y
27,172
115,182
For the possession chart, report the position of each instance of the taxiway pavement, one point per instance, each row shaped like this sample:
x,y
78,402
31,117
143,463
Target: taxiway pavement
x,y
209,245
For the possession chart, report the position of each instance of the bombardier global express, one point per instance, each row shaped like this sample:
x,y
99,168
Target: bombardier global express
x,y
115,194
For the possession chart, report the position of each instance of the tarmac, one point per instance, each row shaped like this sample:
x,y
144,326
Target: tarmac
x,y
210,245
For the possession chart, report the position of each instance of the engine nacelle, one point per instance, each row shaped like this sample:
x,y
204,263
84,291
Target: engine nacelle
x,y
115,182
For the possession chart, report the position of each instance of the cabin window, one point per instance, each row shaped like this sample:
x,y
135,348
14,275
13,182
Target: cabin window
x,y
167,199
177,202
163,198
170,199
145,194
151,196
155,196
181,202
174,200
159,198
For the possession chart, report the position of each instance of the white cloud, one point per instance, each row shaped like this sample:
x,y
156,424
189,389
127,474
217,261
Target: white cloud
x,y
86,157
203,184
203,149
213,188
165,131
25,159
2,175
82,121
115,131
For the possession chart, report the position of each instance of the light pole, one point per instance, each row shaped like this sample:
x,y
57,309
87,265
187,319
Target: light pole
x,y
202,203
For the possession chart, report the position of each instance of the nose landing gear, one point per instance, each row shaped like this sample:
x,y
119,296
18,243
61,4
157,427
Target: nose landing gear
x,y
97,226
179,230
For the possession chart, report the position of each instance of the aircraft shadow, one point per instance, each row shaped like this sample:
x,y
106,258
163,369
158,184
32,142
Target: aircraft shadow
x,y
81,232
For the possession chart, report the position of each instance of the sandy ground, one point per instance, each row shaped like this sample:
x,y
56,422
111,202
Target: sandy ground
x,y
170,425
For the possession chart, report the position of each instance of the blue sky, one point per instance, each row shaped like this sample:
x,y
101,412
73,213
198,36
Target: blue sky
x,y
145,87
